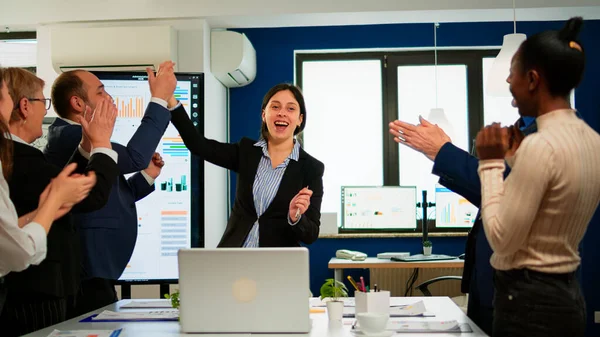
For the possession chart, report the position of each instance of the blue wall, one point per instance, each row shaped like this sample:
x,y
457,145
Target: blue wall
x,y
275,57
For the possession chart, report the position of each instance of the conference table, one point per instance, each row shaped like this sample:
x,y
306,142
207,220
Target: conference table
x,y
442,307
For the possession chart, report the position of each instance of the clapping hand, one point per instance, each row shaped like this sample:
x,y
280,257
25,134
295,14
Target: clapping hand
x,y
99,125
68,189
493,142
425,137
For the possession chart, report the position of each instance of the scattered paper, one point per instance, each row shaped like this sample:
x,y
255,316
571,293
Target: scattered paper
x,y
148,304
108,315
317,302
427,326
85,333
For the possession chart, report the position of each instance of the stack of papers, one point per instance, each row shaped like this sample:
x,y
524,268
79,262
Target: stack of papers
x,y
317,302
147,304
405,310
431,326
85,333
165,315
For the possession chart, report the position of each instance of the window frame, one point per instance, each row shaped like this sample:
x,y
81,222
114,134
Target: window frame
x,y
390,61
20,36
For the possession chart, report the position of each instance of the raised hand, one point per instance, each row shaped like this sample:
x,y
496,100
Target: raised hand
x,y
300,203
98,126
156,165
425,137
492,142
163,84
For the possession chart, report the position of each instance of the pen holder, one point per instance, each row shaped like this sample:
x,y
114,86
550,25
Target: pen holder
x,y
378,302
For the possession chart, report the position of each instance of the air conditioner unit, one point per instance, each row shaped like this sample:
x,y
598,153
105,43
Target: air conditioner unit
x,y
112,48
232,58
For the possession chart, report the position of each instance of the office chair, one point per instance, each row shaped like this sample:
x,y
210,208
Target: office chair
x,y
461,301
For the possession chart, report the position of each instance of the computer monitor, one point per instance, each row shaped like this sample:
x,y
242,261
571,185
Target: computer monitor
x,y
452,210
379,208
170,218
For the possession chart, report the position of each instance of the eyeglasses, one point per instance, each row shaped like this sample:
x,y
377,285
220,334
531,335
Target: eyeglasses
x,y
48,101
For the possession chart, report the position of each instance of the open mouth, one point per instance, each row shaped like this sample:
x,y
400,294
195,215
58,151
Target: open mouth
x,y
281,125
514,103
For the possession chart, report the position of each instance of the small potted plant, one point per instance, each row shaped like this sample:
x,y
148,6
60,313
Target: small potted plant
x,y
333,291
427,247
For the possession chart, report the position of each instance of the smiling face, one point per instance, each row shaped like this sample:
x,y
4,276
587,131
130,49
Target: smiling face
x,y
524,85
282,115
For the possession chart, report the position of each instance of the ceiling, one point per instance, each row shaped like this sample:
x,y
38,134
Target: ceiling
x,y
28,14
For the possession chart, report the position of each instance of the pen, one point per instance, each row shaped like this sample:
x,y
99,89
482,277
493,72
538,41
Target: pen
x,y
362,283
298,209
353,283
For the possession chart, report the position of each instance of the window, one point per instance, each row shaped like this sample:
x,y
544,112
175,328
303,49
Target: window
x,y
351,98
18,50
344,104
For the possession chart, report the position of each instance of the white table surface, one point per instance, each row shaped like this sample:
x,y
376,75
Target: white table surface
x,y
442,307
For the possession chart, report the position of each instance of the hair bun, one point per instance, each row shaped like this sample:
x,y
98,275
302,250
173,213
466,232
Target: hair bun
x,y
570,31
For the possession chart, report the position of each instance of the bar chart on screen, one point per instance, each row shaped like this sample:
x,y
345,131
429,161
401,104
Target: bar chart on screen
x,y
174,147
174,228
131,106
452,210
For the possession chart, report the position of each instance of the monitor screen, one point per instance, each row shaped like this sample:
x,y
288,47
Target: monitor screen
x,y
379,207
452,210
168,217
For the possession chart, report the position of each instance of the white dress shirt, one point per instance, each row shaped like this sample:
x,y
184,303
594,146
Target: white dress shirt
x,y
19,247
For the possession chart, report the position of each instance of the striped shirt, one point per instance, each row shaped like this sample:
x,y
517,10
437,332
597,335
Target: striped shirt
x,y
266,184
537,217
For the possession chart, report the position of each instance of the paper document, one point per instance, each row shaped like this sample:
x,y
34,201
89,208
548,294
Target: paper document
x,y
317,302
147,304
108,315
400,310
430,326
85,333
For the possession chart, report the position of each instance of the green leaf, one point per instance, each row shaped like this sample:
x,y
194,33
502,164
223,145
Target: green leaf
x,y
333,289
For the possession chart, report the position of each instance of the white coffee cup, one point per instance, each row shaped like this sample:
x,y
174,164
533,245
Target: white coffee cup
x,y
372,322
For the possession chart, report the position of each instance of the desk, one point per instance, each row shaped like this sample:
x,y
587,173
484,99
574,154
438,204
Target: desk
x,y
443,308
338,265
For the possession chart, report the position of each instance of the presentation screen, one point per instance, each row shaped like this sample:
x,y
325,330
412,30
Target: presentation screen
x,y
379,207
167,218
452,210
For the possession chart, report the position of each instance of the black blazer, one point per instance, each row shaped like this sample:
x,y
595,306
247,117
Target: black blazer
x,y
59,274
243,158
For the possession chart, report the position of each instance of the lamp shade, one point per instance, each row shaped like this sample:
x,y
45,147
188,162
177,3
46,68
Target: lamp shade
x,y
438,116
496,82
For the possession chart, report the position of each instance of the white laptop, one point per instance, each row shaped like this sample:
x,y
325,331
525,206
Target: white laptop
x,y
244,290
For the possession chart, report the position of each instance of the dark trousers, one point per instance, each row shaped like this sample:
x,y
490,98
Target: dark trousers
x,y
94,293
26,313
532,304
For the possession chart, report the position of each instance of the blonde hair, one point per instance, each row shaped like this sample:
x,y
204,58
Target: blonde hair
x,y
21,84
6,146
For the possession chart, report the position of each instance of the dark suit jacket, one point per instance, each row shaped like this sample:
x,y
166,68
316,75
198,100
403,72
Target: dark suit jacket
x,y
58,275
109,234
243,158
